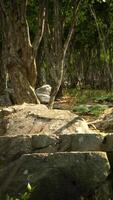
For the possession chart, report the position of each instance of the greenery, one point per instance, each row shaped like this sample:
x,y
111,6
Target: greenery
x,y
95,110
85,96
24,196
88,62
54,42
90,102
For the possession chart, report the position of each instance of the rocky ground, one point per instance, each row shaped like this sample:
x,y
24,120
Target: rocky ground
x,y
56,151
102,123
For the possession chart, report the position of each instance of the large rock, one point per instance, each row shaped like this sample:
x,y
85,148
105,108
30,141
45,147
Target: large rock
x,y
104,192
43,93
29,119
105,122
45,89
44,98
53,150
35,128
12,147
5,100
56,176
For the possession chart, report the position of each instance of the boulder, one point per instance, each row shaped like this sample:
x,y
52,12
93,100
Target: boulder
x,y
45,89
30,119
56,176
53,150
105,121
103,192
44,98
30,128
5,100
43,93
12,147
82,142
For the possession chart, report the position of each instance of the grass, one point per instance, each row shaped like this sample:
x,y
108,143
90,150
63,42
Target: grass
x,y
94,110
90,102
87,96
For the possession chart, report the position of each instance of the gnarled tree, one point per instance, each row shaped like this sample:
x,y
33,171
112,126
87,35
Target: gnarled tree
x,y
18,67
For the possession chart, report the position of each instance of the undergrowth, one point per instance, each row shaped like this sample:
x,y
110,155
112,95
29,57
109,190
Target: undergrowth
x,y
95,110
24,196
87,96
91,102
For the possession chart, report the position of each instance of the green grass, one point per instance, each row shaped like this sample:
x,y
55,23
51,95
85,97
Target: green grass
x,y
94,96
90,102
94,110
81,109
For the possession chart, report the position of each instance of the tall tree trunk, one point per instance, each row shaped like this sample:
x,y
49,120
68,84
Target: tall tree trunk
x,y
54,47
18,66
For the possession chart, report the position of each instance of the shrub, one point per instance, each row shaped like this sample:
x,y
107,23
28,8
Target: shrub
x,y
25,196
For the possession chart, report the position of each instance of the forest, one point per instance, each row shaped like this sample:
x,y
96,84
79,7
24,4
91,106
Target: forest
x,y
62,150
67,44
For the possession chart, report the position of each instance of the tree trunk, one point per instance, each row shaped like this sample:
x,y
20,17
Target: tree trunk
x,y
18,67
57,84
54,47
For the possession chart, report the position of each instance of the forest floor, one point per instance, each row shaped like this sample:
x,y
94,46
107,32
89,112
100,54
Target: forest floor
x,y
89,104
67,103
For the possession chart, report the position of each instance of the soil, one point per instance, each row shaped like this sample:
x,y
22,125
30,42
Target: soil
x,y
67,103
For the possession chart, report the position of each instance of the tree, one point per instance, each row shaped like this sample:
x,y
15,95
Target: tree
x,y
18,66
57,43
91,52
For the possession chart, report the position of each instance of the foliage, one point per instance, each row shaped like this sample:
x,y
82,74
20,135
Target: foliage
x,y
88,96
32,9
90,60
104,98
24,196
95,110
85,61
88,101
98,109
81,109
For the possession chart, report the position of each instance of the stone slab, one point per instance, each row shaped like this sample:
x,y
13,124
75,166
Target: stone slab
x,y
55,174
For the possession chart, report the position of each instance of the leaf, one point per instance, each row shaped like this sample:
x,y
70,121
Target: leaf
x,y
29,187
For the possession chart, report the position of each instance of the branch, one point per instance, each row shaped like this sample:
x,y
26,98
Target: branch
x,y
72,29
57,33
40,31
48,50
48,40
102,40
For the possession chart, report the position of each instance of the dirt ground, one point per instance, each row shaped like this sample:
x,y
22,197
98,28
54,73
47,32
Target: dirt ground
x,y
67,103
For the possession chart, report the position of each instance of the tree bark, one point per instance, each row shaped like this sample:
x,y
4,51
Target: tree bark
x,y
57,51
18,65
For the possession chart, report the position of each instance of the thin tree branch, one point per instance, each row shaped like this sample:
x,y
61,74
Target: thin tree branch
x,y
40,31
49,56
48,40
101,38
72,29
